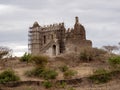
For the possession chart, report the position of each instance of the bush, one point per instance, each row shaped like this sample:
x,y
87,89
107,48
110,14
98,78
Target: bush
x,y
43,73
100,71
47,84
69,74
25,58
86,54
38,72
114,62
49,74
89,54
40,61
7,76
61,84
100,76
35,72
63,68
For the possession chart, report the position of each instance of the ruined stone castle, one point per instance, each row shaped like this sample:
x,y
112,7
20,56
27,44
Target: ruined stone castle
x,y
54,39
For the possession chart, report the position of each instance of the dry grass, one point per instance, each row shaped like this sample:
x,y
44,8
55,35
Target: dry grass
x,y
83,69
72,61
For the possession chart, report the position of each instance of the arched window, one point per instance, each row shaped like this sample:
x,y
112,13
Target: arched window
x,y
52,36
44,39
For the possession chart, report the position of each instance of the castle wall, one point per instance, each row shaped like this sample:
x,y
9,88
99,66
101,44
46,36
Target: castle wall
x,y
75,45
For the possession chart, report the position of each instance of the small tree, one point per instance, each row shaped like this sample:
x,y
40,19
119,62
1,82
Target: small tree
x,y
110,49
5,52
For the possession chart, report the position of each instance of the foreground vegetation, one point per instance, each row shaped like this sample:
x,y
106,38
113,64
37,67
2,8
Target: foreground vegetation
x,y
8,76
43,69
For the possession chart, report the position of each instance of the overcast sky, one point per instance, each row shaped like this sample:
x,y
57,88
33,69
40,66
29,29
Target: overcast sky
x,y
101,19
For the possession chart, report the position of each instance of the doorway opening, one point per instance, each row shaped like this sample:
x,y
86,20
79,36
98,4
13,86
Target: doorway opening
x,y
54,50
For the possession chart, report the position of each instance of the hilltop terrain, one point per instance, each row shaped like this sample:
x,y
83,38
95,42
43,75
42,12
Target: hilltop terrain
x,y
83,67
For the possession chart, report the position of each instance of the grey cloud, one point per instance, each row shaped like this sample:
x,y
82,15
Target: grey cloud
x,y
13,37
31,4
100,18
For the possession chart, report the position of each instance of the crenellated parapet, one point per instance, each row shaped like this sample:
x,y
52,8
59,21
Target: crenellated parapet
x,y
53,27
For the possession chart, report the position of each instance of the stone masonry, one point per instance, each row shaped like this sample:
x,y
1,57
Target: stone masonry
x,y
54,39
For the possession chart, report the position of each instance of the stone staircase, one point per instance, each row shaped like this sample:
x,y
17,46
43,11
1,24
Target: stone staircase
x,y
43,49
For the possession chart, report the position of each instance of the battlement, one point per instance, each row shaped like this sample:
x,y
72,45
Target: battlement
x,y
55,26
50,27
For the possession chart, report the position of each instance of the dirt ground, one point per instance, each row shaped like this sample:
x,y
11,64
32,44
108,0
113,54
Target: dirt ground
x,y
112,85
83,70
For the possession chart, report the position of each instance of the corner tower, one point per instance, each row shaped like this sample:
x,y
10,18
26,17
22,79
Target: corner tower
x,y
79,31
34,40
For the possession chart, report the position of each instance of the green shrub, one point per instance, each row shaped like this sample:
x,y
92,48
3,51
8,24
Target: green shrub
x,y
61,84
49,74
38,72
69,74
42,73
40,61
100,76
100,71
114,62
47,84
63,68
25,58
7,76
35,72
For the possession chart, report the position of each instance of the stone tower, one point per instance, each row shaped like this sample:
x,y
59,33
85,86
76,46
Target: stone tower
x,y
34,40
79,31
